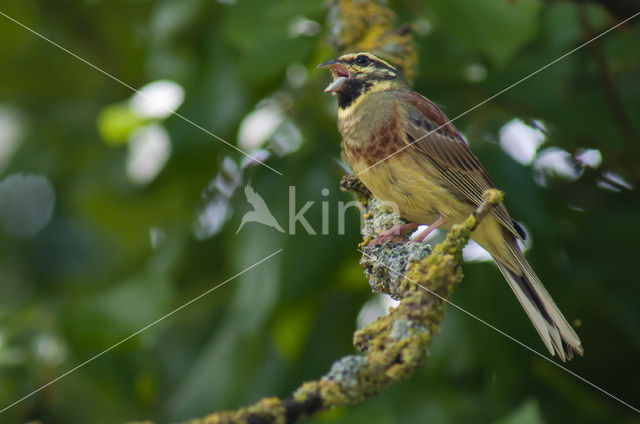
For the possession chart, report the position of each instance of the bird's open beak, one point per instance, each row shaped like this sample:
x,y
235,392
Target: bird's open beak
x,y
340,75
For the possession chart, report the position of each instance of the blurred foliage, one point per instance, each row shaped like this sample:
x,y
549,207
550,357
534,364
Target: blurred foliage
x,y
116,247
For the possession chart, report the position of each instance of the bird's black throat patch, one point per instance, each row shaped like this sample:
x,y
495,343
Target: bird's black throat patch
x,y
351,90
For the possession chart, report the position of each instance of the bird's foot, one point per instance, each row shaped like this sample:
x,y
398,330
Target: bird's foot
x,y
395,234
434,226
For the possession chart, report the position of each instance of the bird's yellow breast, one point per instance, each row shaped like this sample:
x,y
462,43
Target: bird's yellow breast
x,y
411,189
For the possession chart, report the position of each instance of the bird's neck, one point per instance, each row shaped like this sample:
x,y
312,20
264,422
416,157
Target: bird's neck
x,y
352,91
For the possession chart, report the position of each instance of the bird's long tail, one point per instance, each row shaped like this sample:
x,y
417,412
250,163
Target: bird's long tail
x,y
555,331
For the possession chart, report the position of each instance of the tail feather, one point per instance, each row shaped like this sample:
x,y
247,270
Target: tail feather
x,y
555,331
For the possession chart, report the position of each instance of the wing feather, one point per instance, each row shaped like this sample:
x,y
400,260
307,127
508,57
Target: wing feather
x,y
447,151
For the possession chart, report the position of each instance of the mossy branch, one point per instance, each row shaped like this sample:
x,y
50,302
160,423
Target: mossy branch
x,y
394,346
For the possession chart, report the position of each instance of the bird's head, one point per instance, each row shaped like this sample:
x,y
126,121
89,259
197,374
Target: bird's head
x,y
355,74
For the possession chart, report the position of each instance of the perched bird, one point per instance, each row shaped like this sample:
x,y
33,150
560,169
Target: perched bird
x,y
404,150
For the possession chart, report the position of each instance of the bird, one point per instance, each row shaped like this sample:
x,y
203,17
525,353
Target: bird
x,y
260,212
406,151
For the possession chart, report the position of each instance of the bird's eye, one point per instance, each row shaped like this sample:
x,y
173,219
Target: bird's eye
x,y
362,61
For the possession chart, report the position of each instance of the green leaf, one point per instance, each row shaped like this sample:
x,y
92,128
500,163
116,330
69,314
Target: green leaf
x,y
290,328
527,413
118,311
266,50
116,122
497,28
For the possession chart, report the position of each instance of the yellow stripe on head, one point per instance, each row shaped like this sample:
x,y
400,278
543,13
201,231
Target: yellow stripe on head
x,y
360,73
350,58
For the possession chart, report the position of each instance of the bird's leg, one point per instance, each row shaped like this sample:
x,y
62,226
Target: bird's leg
x,y
393,234
423,235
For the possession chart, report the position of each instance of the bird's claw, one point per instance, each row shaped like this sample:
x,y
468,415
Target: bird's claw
x,y
394,235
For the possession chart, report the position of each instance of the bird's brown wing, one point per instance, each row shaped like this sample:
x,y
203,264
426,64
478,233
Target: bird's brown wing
x,y
446,149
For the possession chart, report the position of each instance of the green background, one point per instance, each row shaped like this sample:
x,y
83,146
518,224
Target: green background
x,y
91,276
